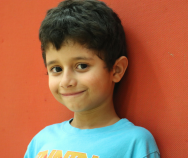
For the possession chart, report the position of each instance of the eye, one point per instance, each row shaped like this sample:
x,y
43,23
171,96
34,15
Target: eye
x,y
82,66
56,69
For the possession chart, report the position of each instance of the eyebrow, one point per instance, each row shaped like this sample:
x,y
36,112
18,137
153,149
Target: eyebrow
x,y
75,58
82,58
51,62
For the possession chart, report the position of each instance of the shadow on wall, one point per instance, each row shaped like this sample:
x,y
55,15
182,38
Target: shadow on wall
x,y
139,96
139,90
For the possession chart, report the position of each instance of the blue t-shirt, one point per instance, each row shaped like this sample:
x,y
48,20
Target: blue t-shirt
x,y
120,140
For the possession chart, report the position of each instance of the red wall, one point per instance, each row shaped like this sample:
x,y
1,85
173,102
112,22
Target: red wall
x,y
153,93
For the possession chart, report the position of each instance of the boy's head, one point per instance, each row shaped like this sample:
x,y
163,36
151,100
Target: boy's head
x,y
83,44
87,22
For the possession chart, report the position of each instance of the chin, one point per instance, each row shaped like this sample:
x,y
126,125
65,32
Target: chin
x,y
76,108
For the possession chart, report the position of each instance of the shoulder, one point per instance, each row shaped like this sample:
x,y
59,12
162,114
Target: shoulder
x,y
51,131
143,139
140,141
141,133
135,131
47,135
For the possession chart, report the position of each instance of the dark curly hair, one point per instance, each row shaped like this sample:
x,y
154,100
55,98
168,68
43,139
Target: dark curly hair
x,y
90,23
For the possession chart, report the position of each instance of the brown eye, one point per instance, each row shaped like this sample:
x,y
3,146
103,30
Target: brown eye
x,y
56,69
82,66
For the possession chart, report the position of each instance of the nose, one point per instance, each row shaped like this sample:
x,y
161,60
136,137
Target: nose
x,y
68,79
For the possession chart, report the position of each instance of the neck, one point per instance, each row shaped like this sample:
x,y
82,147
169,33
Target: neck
x,y
99,117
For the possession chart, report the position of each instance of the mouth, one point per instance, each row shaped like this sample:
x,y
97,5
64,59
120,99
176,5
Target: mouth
x,y
72,94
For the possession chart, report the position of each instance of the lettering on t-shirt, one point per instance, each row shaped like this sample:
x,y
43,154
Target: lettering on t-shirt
x,y
59,154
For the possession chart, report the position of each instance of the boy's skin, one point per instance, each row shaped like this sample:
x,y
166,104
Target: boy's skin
x,y
80,80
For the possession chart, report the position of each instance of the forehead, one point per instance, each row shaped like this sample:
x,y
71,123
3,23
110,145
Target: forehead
x,y
69,51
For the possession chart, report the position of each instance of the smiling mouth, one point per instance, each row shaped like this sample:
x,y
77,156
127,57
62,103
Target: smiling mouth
x,y
72,94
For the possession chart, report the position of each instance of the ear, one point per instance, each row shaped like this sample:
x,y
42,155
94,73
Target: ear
x,y
119,68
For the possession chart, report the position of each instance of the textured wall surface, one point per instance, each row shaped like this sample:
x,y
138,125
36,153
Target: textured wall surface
x,y
153,93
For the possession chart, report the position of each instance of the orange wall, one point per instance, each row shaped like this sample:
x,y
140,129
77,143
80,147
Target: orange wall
x,y
153,93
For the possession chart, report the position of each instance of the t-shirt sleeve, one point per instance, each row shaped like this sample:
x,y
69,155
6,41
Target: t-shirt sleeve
x,y
143,144
147,143
153,155
30,152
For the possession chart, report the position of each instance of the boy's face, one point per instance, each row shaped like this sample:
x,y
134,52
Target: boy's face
x,y
78,78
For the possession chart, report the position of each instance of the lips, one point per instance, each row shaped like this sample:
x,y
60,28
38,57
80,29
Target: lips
x,y
72,94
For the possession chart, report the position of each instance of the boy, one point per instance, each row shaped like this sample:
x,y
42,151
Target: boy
x,y
83,45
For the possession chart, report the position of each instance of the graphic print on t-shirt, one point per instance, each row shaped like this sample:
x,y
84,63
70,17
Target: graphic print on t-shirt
x,y
59,154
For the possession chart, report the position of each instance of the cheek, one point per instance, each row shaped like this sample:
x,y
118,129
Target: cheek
x,y
90,80
53,85
97,81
